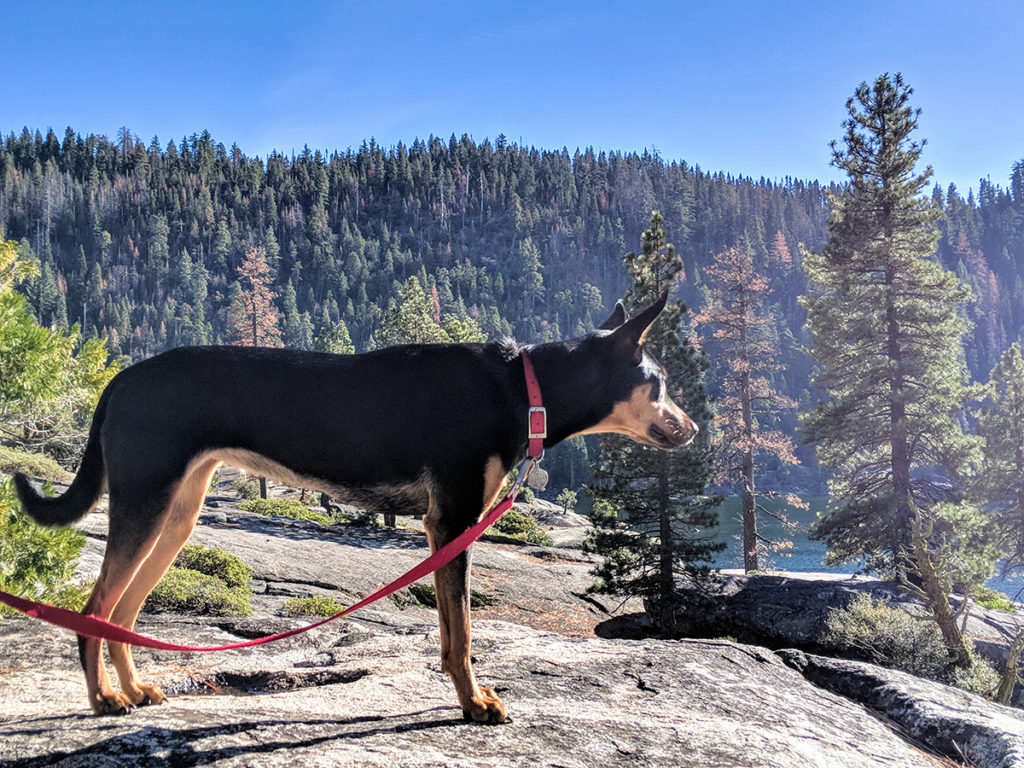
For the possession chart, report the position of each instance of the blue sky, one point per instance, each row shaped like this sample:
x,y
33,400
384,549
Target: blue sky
x,y
745,87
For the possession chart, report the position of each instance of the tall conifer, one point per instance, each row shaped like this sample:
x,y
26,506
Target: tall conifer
x,y
253,317
886,330
653,519
1000,484
747,354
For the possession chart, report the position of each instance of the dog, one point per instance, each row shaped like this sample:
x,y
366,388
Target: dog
x,y
429,430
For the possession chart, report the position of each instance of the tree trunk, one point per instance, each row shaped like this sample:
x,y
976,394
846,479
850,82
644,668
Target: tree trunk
x,y
935,594
666,576
750,557
899,460
1011,672
263,487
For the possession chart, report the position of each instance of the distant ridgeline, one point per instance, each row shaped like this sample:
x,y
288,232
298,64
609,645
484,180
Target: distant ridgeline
x,y
141,244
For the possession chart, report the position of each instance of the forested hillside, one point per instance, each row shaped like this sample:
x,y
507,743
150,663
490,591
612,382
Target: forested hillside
x,y
141,243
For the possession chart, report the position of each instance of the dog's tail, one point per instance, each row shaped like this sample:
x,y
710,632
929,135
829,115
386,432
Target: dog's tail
x,y
85,490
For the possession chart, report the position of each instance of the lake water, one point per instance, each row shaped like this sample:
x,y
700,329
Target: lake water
x,y
806,555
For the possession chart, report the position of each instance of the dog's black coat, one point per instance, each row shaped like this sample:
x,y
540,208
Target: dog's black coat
x,y
420,429
357,425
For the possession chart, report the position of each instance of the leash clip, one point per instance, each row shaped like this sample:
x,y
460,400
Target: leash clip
x,y
525,466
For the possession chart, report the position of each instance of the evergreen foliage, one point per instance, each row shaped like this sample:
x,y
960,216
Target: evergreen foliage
x,y
292,508
139,243
214,561
183,590
886,330
204,581
526,242
49,381
652,517
37,563
318,605
520,526
999,485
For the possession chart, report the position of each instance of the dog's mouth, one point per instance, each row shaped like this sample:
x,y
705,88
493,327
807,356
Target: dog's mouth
x,y
668,436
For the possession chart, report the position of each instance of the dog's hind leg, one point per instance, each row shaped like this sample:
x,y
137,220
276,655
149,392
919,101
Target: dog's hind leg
x,y
179,521
134,529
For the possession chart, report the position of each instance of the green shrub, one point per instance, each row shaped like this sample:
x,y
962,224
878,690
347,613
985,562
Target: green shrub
x,y
873,630
991,598
214,561
980,677
292,508
183,590
319,605
204,581
247,489
14,460
37,563
360,517
520,526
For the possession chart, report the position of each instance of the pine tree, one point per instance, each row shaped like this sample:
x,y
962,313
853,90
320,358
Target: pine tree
x,y
886,330
746,352
652,516
1000,483
298,328
335,340
411,319
49,382
252,317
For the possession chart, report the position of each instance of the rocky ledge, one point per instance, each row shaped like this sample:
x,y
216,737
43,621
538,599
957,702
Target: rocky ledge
x,y
369,691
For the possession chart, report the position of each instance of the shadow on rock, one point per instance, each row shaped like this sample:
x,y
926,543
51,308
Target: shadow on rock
x,y
177,747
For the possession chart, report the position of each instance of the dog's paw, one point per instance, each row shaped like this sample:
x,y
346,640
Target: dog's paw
x,y
486,708
146,694
111,703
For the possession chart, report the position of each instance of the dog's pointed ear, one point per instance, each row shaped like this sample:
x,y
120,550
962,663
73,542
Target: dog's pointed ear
x,y
632,333
617,318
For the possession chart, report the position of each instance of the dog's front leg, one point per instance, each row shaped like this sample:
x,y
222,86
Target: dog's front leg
x,y
452,589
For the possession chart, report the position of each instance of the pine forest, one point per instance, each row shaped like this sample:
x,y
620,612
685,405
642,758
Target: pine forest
x,y
145,245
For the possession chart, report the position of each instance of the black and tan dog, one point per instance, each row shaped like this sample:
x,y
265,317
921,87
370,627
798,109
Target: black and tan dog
x,y
425,429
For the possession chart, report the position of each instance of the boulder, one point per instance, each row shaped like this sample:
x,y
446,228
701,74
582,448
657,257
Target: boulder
x,y
790,611
952,722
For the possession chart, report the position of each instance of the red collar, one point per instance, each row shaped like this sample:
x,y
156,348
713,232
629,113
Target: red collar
x,y
537,426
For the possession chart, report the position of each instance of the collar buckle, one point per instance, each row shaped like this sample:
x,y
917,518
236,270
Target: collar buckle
x,y
538,422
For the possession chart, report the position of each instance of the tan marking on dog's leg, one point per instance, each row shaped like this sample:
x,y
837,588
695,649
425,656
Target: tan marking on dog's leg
x,y
494,480
116,573
451,585
180,519
102,698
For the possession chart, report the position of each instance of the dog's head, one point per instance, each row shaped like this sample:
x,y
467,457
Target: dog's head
x,y
642,408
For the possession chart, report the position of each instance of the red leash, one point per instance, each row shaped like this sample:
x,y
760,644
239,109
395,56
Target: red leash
x,y
92,626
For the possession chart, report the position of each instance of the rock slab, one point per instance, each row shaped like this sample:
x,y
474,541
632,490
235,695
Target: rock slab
x,y
575,702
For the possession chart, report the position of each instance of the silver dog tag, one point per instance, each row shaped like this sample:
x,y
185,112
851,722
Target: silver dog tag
x,y
537,479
